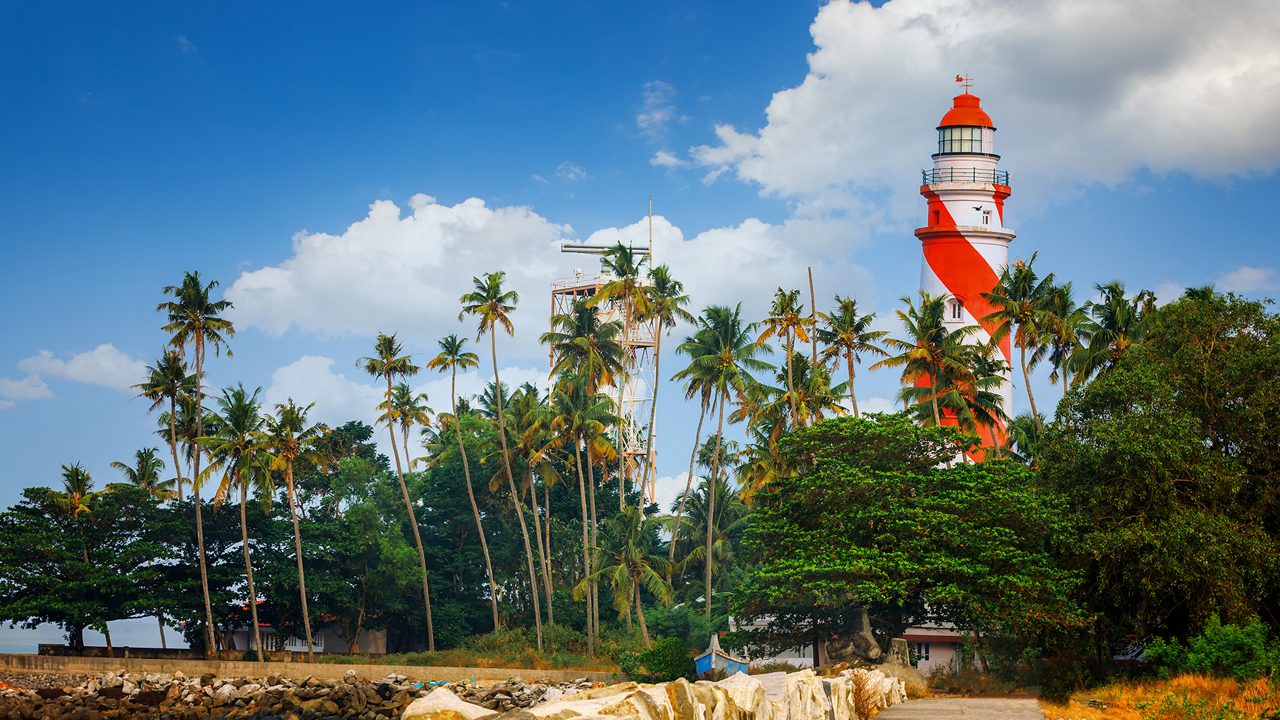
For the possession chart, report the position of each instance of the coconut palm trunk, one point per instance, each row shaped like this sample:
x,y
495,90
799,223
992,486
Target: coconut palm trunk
x,y
515,498
471,496
1026,379
297,549
595,539
248,566
791,382
586,545
688,487
542,550
210,644
413,523
711,496
644,628
853,397
164,645
622,381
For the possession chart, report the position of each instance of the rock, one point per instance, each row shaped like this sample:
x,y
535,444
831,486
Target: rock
x,y
224,694
748,694
442,704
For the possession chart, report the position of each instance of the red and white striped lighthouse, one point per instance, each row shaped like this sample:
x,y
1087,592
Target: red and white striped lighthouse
x,y
965,242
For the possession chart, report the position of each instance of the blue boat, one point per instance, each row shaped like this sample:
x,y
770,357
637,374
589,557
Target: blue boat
x,y
716,662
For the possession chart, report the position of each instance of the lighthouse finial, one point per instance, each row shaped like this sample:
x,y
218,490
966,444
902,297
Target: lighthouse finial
x,y
966,81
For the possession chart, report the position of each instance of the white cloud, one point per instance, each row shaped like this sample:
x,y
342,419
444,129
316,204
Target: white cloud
x,y
658,110
572,171
7,404
186,46
1245,279
394,273
30,387
877,405
1083,91
1167,292
666,159
104,365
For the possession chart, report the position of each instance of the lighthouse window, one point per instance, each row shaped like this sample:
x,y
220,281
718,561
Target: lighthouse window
x,y
986,217
960,140
957,310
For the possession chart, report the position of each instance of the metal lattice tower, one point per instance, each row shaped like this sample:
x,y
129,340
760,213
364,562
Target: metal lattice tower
x,y
638,347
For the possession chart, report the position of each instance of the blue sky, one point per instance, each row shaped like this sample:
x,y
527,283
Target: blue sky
x,y
250,140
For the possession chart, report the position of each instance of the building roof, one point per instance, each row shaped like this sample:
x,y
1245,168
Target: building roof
x,y
967,112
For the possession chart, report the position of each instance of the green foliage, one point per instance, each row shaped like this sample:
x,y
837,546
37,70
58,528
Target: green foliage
x,y
1170,458
867,513
1239,651
688,624
667,660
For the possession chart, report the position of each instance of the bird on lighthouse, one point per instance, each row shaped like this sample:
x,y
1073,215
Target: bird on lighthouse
x,y
964,242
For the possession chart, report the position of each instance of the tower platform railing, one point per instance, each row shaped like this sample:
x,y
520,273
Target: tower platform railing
x,y
975,175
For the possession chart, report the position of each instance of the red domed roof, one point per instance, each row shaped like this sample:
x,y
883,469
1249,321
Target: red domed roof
x,y
967,111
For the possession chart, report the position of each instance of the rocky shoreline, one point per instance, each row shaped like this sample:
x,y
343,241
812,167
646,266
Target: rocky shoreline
x,y
177,696
852,694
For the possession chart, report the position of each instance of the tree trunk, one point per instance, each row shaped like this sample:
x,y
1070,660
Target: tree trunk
x,y
1026,378
711,497
413,523
210,643
471,495
163,644
546,496
248,566
853,398
933,399
595,538
644,629
542,550
629,359
813,320
297,548
791,384
75,637
586,546
650,467
688,487
106,634
511,482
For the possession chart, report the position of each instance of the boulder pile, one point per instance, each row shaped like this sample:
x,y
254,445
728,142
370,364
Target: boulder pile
x,y
852,695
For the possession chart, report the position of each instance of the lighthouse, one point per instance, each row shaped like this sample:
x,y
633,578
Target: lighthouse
x,y
964,241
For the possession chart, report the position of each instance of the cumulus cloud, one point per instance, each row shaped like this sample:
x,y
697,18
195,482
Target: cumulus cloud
x,y
571,171
396,273
1245,280
104,365
30,387
1083,92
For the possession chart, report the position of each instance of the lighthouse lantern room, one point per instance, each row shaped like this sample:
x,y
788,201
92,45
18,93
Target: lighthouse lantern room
x,y
964,242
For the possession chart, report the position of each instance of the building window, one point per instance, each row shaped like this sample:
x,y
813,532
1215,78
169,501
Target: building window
x,y
937,217
960,140
957,310
986,217
920,650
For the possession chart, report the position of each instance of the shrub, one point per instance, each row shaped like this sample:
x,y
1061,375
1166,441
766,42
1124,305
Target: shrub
x,y
666,660
1239,651
681,621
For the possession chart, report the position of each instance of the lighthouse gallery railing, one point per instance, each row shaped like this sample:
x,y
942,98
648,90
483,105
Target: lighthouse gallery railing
x,y
977,175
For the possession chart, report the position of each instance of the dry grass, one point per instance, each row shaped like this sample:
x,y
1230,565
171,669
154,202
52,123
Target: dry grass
x,y
527,658
1186,697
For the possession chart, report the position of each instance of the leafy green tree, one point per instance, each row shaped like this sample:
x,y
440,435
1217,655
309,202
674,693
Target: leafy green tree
x,y
900,534
846,333
629,562
1170,456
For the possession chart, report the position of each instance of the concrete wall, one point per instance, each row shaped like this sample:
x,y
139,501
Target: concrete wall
x,y
99,666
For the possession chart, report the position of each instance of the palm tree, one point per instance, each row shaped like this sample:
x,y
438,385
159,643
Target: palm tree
x,y
847,334
533,447
453,357
628,290
144,474
1018,298
1062,320
288,437
238,452
929,351
389,363
407,409
722,356
628,562
725,525
493,305
168,381
1024,439
786,320
667,303
195,319
1114,324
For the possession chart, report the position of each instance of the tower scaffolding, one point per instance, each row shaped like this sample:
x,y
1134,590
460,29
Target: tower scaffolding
x,y
639,463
